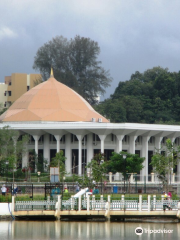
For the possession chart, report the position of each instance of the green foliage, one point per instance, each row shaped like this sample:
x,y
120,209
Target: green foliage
x,y
131,164
2,109
59,161
149,97
75,63
97,167
164,160
11,150
6,198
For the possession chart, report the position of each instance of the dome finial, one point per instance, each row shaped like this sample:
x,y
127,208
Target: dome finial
x,y
52,75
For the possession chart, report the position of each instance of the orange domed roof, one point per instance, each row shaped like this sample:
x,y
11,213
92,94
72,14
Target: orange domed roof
x,y
51,101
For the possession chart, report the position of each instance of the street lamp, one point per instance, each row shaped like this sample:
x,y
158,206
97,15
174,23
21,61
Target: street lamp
x,y
124,157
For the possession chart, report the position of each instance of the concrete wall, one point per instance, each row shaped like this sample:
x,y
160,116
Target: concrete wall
x,y
4,209
3,88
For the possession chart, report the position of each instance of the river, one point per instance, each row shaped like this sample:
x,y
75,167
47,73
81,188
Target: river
x,y
53,230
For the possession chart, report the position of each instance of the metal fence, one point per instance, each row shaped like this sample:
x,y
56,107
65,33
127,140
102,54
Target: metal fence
x,y
34,205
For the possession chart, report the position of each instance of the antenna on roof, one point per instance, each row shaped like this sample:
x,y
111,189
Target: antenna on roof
x,y
51,75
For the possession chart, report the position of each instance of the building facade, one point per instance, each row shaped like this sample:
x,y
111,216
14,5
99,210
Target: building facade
x,y
57,118
15,86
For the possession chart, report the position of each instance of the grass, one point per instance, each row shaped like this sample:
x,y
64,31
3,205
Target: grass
x,y
66,196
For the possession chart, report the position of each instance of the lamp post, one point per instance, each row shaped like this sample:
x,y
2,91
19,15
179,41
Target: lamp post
x,y
124,157
39,173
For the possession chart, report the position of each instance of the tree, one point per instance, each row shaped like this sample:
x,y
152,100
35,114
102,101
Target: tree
x,y
12,148
59,161
98,168
164,160
75,63
149,97
131,164
113,110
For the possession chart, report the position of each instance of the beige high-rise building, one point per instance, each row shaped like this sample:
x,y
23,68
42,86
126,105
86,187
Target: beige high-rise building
x,y
15,86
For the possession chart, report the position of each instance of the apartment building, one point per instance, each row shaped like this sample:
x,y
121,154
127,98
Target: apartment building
x,y
15,86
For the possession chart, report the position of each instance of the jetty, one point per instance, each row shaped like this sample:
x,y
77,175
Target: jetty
x,y
88,208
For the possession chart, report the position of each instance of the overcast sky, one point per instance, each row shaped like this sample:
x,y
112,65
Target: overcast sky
x,y
133,35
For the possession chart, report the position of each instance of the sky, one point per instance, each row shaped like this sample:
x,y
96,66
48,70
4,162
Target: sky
x,y
133,35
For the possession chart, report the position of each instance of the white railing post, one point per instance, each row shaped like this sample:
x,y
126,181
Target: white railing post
x,y
107,208
109,202
140,202
101,202
59,202
13,205
87,203
93,202
48,200
154,202
72,203
79,203
58,207
149,203
162,200
123,201
110,177
152,177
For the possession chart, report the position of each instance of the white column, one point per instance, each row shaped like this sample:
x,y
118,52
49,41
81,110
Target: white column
x,y
132,140
36,139
119,143
46,151
172,174
80,137
157,147
25,157
15,153
58,138
158,143
144,153
89,147
102,137
68,153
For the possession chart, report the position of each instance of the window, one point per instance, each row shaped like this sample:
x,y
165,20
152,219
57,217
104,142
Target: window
x,y
62,139
73,138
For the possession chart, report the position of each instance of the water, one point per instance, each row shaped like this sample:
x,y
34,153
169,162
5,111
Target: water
x,y
53,230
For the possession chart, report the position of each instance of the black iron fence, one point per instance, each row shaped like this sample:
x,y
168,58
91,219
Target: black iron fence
x,y
43,190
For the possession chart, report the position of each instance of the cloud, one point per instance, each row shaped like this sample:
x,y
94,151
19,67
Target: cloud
x,y
6,32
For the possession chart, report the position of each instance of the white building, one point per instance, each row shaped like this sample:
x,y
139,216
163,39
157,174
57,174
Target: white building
x,y
58,118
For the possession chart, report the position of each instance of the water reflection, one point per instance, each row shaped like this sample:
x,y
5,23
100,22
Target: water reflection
x,y
42,230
